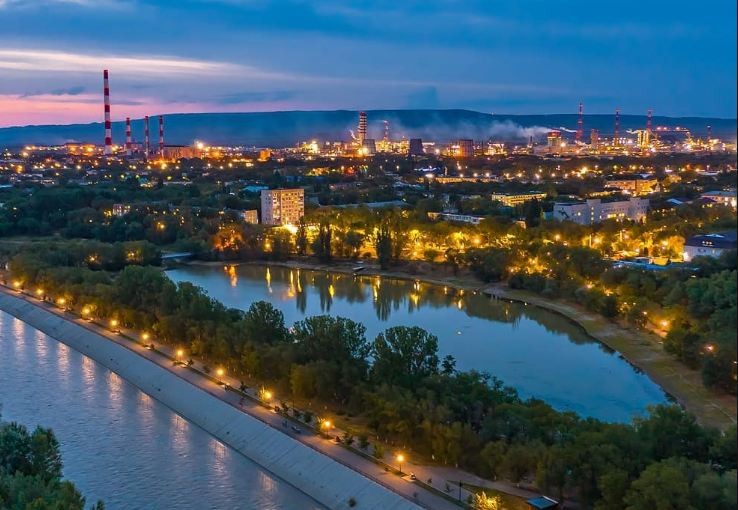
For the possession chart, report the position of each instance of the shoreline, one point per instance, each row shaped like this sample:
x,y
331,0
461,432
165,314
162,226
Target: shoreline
x,y
638,349
324,478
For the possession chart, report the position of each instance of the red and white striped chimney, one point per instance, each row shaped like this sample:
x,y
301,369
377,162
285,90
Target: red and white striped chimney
x,y
129,143
161,136
108,127
147,144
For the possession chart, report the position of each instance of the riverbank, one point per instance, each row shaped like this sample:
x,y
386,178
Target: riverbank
x,y
250,431
641,349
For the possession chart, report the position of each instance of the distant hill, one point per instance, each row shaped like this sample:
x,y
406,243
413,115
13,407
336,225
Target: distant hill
x,y
280,129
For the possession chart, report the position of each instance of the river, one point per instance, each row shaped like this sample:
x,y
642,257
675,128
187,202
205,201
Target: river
x,y
119,444
538,352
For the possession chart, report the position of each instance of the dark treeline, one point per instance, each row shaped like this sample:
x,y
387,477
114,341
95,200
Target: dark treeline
x,y
31,472
408,397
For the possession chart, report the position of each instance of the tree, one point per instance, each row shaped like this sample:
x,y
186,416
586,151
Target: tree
x,y
264,323
663,485
404,355
301,240
383,244
322,243
669,431
532,212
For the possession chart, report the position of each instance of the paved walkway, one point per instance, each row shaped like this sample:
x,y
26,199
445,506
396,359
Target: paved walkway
x,y
216,386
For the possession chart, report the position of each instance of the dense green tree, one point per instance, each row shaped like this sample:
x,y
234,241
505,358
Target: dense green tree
x,y
403,355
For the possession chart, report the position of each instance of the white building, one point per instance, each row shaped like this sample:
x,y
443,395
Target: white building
x,y
513,199
709,245
594,210
724,197
282,206
459,218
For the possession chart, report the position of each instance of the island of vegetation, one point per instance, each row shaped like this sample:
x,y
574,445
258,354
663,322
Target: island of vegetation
x,y
31,471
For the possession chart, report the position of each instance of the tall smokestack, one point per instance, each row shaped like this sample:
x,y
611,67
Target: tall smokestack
x,y
580,124
616,136
147,143
648,121
108,127
709,132
161,136
362,128
129,143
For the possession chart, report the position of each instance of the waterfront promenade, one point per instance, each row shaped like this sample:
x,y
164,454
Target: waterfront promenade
x,y
335,476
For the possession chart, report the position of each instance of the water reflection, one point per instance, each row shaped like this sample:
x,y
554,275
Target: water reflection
x,y
538,352
121,445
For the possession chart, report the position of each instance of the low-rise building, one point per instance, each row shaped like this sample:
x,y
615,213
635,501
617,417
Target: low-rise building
x,y
461,218
121,209
724,197
594,210
250,216
708,245
513,199
635,185
282,206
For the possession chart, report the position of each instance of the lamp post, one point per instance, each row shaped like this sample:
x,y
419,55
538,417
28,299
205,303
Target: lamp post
x,y
400,459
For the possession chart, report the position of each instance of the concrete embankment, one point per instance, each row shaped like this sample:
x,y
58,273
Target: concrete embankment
x,y
330,483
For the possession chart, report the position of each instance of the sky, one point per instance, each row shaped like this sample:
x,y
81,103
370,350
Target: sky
x,y
498,56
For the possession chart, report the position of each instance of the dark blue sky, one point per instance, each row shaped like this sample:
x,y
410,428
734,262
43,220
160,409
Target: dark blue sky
x,y
514,56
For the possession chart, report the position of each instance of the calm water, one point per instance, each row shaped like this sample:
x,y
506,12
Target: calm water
x,y
540,353
120,445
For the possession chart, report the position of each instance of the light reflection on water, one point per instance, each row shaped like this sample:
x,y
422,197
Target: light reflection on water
x,y
119,444
540,353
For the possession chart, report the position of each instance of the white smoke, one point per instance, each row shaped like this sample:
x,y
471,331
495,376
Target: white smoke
x,y
566,130
509,130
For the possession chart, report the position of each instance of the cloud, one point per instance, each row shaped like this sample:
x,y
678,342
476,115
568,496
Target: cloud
x,y
96,4
256,97
28,60
426,97
71,91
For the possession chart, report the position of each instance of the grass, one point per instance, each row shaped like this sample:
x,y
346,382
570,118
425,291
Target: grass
x,y
644,350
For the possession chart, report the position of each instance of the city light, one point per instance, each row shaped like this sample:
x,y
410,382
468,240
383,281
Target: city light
x,y
400,458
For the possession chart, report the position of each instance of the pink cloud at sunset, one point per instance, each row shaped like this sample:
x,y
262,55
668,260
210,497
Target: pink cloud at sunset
x,y
16,110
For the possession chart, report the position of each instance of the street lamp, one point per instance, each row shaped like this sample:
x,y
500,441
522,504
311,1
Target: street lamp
x,y
326,425
114,325
220,372
179,353
61,302
400,459
86,313
40,293
18,285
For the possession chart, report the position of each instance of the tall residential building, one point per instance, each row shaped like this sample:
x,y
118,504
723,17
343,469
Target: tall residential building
x,y
282,206
594,210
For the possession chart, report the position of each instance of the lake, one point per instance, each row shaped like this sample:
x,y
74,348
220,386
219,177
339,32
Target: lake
x,y
539,353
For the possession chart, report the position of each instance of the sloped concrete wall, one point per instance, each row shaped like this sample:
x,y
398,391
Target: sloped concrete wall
x,y
327,481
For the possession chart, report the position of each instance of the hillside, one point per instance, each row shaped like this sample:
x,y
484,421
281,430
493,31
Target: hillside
x,y
289,127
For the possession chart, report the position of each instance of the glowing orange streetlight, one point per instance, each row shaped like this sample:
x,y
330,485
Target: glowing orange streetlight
x,y
18,285
114,325
40,293
400,459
